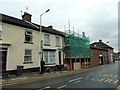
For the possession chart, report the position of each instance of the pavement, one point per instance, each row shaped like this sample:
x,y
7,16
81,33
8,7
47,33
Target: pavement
x,y
27,77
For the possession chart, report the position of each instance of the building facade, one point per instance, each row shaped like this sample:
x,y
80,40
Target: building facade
x,y
98,56
77,51
116,56
22,43
52,48
104,54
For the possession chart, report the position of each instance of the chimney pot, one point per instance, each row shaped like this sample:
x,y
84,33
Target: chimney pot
x,y
26,16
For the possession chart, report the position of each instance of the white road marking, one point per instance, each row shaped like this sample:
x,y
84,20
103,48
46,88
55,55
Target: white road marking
x,y
57,72
44,88
107,80
75,79
115,76
115,81
19,78
64,71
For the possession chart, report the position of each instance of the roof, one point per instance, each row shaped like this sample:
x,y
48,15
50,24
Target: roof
x,y
23,23
93,47
101,45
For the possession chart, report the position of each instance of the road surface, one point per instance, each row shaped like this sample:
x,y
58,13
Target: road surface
x,y
104,78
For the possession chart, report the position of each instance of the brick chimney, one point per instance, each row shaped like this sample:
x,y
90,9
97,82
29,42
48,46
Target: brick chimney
x,y
50,27
100,40
26,17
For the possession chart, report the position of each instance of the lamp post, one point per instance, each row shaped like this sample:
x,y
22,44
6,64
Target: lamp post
x,y
41,41
41,19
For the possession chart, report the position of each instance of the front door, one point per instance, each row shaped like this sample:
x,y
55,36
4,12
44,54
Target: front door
x,y
101,60
59,57
3,56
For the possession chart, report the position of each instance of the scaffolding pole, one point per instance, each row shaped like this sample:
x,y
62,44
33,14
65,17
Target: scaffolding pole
x,y
84,62
70,63
80,61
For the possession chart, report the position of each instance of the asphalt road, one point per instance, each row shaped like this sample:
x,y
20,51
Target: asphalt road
x,y
106,78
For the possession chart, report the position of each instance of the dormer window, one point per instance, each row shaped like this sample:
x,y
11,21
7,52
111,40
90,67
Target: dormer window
x,y
28,36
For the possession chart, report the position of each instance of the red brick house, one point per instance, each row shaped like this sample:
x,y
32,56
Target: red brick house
x,y
101,53
98,56
95,55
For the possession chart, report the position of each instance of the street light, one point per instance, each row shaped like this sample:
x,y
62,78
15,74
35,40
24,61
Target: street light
x,y
41,41
41,19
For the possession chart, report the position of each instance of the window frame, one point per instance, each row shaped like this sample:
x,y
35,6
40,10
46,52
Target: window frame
x,y
27,56
1,30
58,44
49,57
28,35
45,57
47,39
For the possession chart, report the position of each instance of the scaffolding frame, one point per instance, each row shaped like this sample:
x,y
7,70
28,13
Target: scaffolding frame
x,y
76,45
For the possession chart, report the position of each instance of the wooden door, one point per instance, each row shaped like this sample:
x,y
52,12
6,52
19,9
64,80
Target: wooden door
x,y
3,56
59,57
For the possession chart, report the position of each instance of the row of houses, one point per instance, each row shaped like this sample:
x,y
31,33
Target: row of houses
x,y
22,43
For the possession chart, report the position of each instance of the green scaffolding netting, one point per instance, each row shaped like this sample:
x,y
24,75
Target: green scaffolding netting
x,y
77,46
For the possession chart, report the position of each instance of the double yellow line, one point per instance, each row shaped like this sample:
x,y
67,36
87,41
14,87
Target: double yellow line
x,y
76,81
61,87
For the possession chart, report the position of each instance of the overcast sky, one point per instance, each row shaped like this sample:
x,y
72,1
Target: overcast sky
x,y
97,18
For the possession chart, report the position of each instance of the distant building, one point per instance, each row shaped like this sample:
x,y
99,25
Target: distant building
x,y
116,56
98,56
104,53
21,44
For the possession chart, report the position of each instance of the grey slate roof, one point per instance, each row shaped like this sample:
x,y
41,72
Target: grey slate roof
x,y
15,21
101,45
92,46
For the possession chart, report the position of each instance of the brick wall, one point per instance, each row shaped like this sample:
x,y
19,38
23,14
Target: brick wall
x,y
95,56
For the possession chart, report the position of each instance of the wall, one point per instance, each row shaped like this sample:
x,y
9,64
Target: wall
x,y
105,56
15,36
53,46
95,56
110,55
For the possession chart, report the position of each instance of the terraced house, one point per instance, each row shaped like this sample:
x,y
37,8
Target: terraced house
x,y
21,43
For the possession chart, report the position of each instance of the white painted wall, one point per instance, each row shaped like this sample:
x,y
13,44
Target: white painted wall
x,y
15,36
